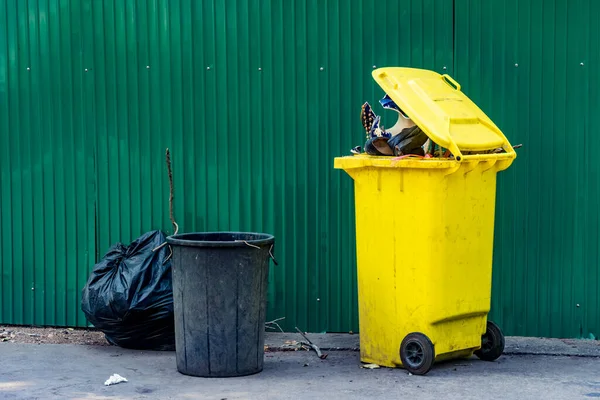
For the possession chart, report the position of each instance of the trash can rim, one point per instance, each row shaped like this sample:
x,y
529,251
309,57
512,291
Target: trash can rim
x,y
181,240
363,161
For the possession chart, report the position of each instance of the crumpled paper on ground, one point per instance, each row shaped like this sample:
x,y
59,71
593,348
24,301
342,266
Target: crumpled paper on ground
x,y
114,379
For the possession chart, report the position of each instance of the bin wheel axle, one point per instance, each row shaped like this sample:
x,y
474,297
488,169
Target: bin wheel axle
x,y
417,353
492,343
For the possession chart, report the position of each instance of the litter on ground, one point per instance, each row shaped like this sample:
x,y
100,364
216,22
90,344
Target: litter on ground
x,y
370,366
114,379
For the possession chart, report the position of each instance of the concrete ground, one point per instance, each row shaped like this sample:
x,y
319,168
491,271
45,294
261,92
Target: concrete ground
x,y
531,369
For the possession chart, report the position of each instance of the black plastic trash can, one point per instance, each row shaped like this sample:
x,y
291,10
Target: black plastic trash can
x,y
219,296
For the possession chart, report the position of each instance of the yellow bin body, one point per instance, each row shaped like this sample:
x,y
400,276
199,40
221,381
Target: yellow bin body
x,y
424,236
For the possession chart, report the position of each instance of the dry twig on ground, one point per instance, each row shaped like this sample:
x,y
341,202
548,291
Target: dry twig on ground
x,y
312,345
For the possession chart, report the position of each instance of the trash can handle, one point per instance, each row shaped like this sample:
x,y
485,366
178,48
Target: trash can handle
x,y
502,160
272,256
448,79
257,247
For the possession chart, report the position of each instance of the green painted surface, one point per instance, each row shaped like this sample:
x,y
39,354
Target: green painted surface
x,y
255,99
47,162
531,65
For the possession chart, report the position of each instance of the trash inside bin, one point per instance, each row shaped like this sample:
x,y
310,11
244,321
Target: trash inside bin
x,y
220,289
427,298
129,296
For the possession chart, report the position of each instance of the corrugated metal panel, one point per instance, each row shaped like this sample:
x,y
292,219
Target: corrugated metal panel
x,y
254,98
531,66
82,151
47,164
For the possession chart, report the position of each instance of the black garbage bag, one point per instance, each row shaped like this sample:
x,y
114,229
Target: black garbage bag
x,y
129,295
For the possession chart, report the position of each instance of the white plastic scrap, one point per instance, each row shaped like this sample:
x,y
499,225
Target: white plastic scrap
x,y
370,366
114,379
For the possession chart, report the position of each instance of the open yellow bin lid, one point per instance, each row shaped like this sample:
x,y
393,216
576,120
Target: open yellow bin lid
x,y
436,104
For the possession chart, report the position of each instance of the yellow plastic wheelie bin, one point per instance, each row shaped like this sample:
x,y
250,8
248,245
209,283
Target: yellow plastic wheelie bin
x,y
424,231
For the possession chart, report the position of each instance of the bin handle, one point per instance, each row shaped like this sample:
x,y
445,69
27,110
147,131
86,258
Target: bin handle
x,y
448,79
272,256
502,160
485,157
256,247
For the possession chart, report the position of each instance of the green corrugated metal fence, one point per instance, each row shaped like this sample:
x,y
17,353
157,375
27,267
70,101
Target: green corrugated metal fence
x,y
531,65
255,98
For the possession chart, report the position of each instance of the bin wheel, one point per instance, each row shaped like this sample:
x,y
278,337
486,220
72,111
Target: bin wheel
x,y
492,343
417,353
